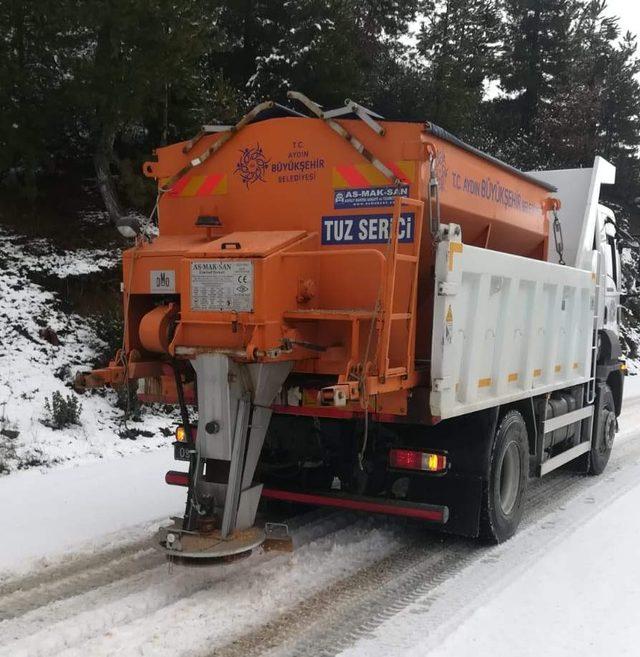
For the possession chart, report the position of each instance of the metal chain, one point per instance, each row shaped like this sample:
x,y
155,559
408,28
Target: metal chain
x,y
433,190
557,236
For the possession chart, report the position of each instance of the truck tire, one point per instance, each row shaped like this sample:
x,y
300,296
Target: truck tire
x,y
604,435
503,496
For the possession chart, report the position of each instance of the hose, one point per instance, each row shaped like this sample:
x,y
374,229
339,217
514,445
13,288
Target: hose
x,y
194,460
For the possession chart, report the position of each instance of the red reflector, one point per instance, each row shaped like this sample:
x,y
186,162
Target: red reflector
x,y
174,478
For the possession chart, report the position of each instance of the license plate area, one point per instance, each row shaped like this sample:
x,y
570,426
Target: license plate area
x,y
182,451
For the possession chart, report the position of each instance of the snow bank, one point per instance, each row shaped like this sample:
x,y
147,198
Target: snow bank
x,y
32,369
632,386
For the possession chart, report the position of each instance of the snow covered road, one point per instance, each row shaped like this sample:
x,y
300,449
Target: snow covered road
x,y
83,509
363,587
567,584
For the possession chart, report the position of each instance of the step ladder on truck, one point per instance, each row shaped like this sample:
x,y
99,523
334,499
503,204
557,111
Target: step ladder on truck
x,y
369,315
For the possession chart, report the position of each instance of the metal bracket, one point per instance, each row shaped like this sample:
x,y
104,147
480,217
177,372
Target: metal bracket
x,y
447,289
314,108
277,537
363,113
235,470
440,385
565,457
554,423
215,147
433,196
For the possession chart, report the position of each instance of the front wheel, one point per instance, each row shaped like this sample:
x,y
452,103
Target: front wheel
x,y
503,495
604,434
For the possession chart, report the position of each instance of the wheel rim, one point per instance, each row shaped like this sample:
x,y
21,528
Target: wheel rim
x,y
509,478
608,432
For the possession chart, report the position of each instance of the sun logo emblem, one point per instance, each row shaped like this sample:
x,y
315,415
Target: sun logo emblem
x,y
252,165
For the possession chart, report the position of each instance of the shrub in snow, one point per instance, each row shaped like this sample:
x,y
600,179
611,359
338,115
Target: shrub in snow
x,y
61,412
127,401
7,428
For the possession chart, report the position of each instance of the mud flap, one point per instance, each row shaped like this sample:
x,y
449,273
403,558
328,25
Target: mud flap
x,y
467,441
461,494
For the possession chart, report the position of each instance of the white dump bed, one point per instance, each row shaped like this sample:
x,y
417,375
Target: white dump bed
x,y
506,327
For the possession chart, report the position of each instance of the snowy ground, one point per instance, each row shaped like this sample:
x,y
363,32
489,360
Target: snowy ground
x,y
79,575
78,510
580,595
81,578
31,368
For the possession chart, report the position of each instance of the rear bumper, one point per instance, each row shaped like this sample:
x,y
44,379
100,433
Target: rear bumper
x,y
425,512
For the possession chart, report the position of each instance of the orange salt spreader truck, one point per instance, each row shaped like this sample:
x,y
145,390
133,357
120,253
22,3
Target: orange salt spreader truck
x,y
369,315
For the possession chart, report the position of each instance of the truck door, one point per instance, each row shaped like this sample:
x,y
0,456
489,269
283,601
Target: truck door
x,y
613,276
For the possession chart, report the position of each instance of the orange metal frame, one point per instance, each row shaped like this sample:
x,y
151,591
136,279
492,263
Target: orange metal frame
x,y
388,316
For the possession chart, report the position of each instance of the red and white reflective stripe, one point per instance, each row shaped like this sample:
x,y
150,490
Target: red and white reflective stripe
x,y
199,185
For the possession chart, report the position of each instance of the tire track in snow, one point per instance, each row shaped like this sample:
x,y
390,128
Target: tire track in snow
x,y
80,575
74,621
445,607
329,623
247,607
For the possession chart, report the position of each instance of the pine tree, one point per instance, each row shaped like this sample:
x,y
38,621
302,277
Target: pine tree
x,y
101,82
595,107
537,54
141,61
460,42
618,136
330,49
34,38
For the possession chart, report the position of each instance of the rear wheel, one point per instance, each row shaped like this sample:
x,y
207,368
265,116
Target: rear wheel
x,y
604,434
503,496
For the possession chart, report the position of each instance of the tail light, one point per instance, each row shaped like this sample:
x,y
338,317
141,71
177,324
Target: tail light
x,y
407,459
181,434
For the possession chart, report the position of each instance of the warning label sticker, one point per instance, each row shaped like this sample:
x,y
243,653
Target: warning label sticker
x,y
162,281
222,285
448,326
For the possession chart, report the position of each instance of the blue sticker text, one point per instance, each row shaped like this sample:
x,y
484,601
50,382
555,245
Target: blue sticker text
x,y
366,229
368,197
